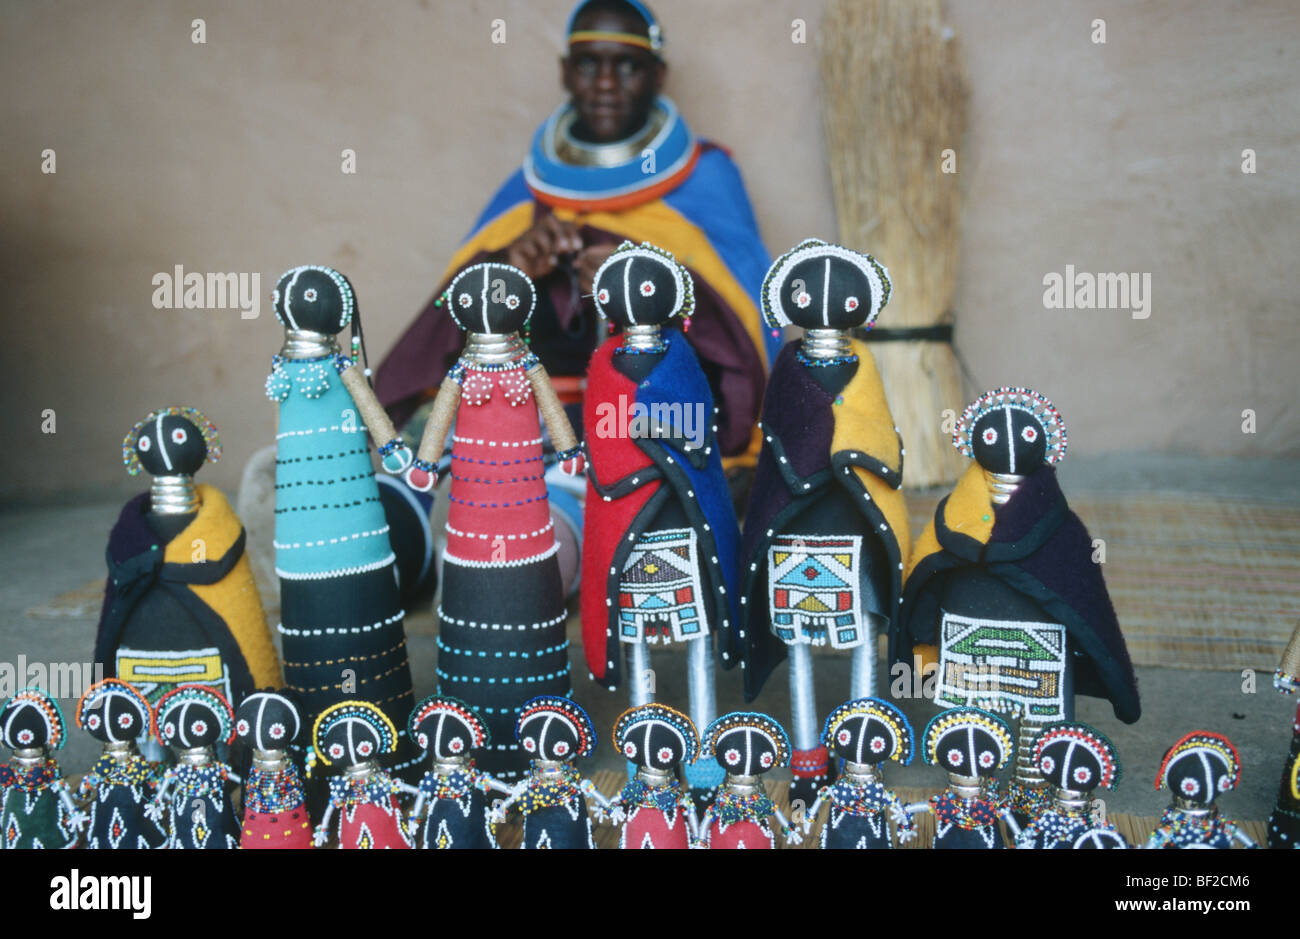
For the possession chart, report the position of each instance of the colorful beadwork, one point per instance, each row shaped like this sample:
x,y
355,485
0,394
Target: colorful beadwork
x,y
130,443
1030,402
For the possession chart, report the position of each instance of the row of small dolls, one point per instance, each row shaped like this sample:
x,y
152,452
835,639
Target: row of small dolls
x,y
131,803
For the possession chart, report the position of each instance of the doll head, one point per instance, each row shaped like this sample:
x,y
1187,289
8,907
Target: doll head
x,y
32,719
490,298
113,711
314,298
869,730
745,743
554,729
447,729
642,286
268,720
194,716
1076,757
967,742
823,286
656,736
171,441
1011,430
1200,766
352,732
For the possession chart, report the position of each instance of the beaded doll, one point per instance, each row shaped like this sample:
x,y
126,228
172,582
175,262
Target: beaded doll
x,y
36,807
121,784
1284,822
355,734
340,608
553,796
865,734
275,813
1003,589
661,535
192,719
181,605
501,633
453,801
654,810
1075,760
973,746
746,745
826,533
1195,770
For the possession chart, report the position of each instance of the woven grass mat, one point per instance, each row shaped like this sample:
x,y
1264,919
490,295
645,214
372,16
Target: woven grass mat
x,y
1135,829
1198,581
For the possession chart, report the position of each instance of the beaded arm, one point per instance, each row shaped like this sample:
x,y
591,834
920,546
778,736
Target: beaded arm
x,y
1287,677
903,822
810,815
376,420
1240,836
557,423
604,806
435,437
499,813
1160,837
792,835
322,833
703,830
158,804
76,818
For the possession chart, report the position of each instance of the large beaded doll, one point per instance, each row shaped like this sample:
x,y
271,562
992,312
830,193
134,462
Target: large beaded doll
x,y
354,735
268,722
36,807
972,746
654,810
120,785
501,622
340,607
552,798
746,745
1284,821
451,811
826,533
660,532
1196,769
181,605
193,794
865,734
1074,759
1004,591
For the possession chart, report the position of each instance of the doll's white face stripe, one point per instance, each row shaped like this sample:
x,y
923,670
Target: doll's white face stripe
x,y
627,291
162,443
826,294
1011,441
483,300
436,746
288,299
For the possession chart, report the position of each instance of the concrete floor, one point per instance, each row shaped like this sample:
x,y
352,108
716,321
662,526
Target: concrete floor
x,y
47,550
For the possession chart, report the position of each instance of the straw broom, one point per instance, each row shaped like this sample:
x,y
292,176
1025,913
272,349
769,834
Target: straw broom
x,y
894,100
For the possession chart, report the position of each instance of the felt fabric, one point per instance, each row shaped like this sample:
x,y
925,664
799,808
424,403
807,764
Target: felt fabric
x,y
501,634
860,814
275,811
456,813
816,443
117,793
1040,549
965,824
1177,829
739,821
705,220
369,816
555,812
656,818
640,475
1056,831
1284,822
340,606
32,810
159,599
199,815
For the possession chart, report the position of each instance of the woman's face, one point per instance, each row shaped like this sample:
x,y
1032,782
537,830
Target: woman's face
x,y
612,85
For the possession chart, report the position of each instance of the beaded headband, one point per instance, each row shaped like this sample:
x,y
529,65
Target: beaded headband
x,y
773,732
888,714
1210,743
488,265
41,700
568,710
1021,399
210,698
130,456
438,704
658,714
685,300
345,291
101,691
1091,740
362,711
961,718
653,42
774,313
